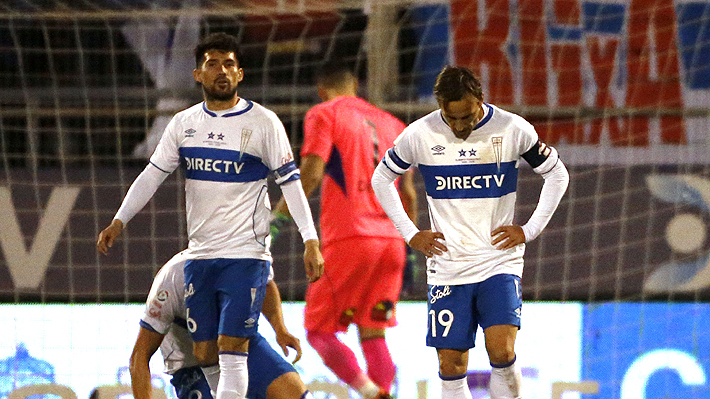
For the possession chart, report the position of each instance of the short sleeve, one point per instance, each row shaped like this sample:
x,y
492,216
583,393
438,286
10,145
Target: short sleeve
x,y
318,133
166,156
402,156
160,306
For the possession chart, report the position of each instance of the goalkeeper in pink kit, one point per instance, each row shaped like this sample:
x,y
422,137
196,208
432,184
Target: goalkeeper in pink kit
x,y
345,138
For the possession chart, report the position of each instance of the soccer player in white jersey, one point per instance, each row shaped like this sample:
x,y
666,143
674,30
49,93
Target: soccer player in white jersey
x,y
468,153
164,326
227,146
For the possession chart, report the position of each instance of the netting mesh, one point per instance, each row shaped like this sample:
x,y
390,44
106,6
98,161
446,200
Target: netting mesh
x,y
620,88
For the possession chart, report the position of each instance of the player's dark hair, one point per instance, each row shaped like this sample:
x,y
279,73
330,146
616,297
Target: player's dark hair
x,y
333,74
454,83
219,41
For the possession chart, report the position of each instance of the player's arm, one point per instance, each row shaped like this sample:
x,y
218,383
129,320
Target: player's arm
x,y
138,195
383,179
409,195
312,170
274,314
545,161
147,343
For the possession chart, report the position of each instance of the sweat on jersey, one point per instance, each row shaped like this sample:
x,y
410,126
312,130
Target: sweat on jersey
x,y
351,136
471,188
226,157
165,314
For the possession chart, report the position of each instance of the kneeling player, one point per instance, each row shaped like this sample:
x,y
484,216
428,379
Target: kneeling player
x,y
165,325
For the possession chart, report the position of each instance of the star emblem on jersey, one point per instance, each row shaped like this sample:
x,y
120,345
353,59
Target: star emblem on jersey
x,y
210,135
472,153
220,136
462,153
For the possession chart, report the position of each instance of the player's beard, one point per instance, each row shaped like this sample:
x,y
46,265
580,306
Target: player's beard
x,y
212,93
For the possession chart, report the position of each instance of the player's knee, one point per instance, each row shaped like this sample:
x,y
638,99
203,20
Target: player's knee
x,y
286,386
501,355
452,362
233,344
206,353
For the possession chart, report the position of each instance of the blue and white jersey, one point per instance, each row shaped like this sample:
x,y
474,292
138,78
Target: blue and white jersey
x,y
471,188
165,314
226,157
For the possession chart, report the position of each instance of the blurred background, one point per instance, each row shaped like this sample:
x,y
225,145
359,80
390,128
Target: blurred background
x,y
620,87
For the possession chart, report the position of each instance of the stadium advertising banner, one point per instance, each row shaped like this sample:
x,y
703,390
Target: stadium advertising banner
x,y
88,346
625,350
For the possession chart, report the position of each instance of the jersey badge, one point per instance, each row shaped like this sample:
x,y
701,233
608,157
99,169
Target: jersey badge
x,y
246,136
190,132
497,143
468,155
383,311
436,293
162,296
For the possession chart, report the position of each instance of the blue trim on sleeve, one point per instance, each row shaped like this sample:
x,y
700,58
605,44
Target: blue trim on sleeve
x,y
158,167
147,326
393,171
397,160
285,169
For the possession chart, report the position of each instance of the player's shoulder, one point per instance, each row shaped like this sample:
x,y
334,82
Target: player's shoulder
x,y
189,113
510,118
426,124
261,113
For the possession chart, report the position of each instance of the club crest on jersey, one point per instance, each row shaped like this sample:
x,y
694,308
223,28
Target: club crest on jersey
x,y
438,149
497,143
246,136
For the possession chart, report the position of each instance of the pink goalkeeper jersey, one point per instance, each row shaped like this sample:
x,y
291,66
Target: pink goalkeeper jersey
x,y
351,136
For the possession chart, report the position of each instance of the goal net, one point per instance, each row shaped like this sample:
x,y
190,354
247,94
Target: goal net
x,y
620,87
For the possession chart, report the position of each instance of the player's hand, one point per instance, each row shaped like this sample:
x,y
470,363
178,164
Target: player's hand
x,y
285,341
313,260
508,237
108,236
429,243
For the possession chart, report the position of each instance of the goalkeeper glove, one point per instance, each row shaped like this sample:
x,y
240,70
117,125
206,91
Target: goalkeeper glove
x,y
278,220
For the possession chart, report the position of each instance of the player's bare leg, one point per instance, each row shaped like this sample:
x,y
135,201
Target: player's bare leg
x,y
453,368
234,375
506,379
380,367
207,356
288,386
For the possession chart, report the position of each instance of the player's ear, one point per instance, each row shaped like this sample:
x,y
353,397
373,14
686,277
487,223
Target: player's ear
x,y
196,75
240,74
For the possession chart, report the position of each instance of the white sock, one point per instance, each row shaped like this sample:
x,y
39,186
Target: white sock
x,y
234,376
506,382
212,376
368,390
455,387
307,395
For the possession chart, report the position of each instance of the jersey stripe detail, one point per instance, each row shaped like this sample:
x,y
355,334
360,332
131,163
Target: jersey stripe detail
x,y
470,181
486,118
147,326
384,161
217,164
397,160
249,106
159,168
334,169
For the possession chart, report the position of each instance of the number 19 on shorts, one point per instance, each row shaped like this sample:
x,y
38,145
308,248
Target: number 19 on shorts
x,y
445,318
